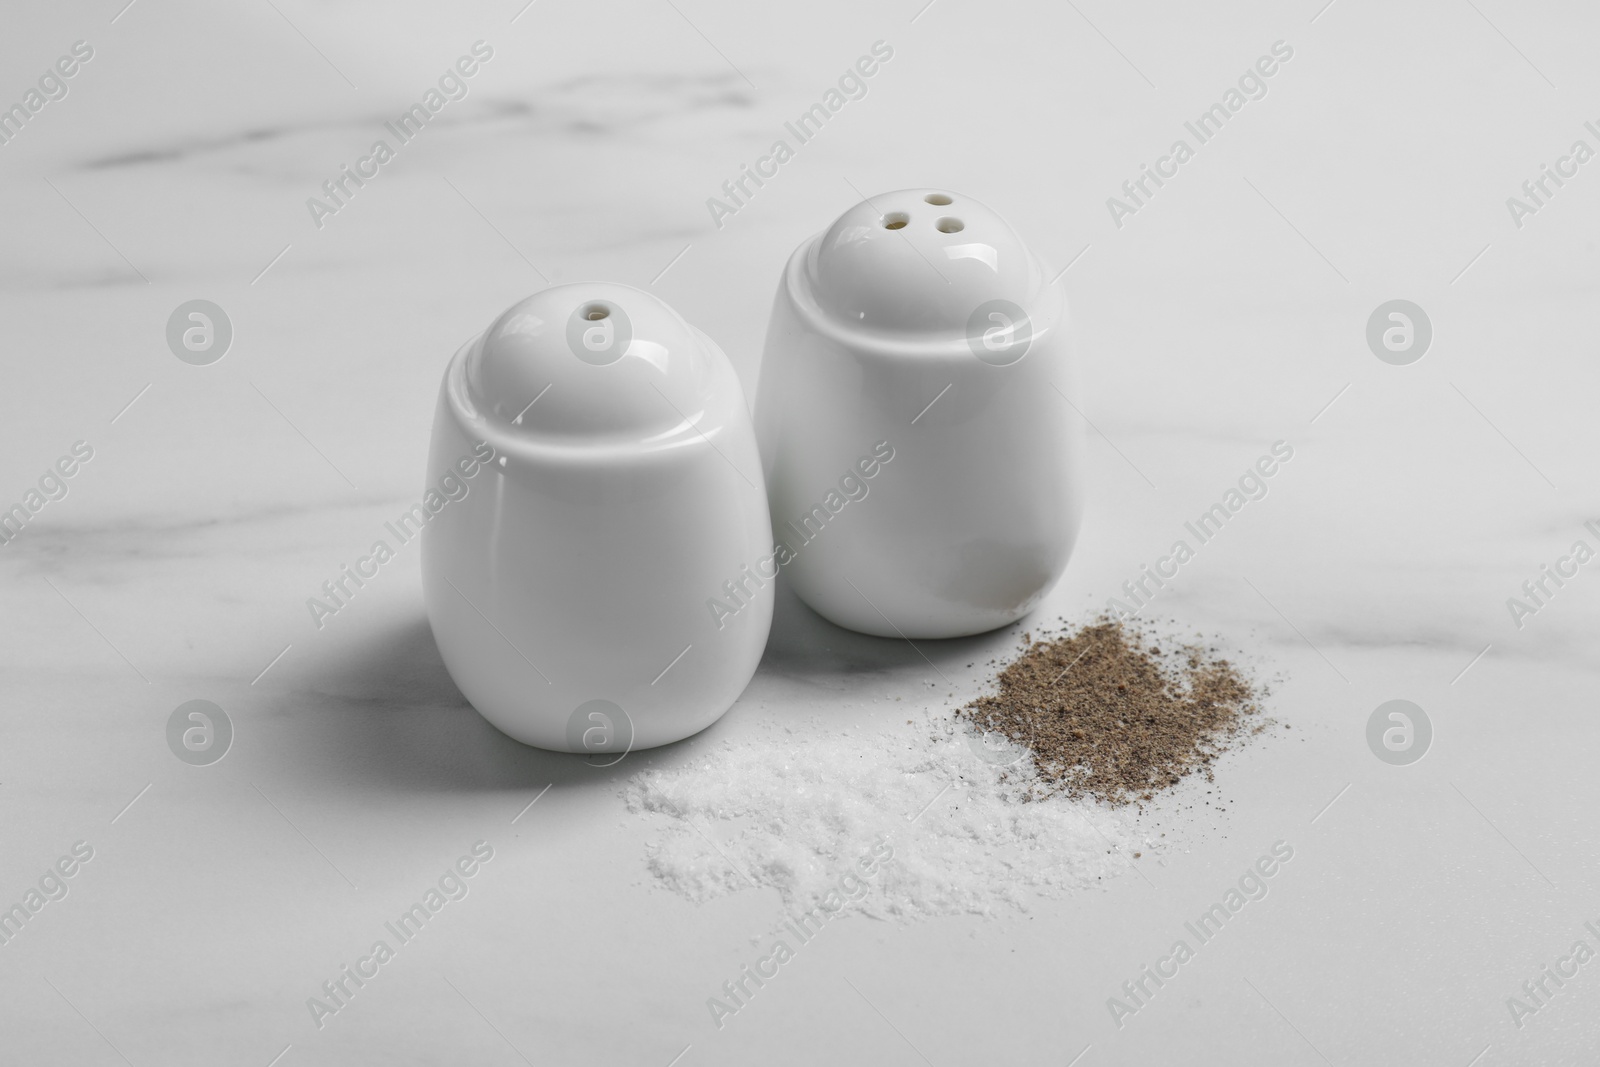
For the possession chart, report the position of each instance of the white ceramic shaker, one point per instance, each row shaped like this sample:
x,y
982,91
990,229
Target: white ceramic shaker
x,y
610,486
920,327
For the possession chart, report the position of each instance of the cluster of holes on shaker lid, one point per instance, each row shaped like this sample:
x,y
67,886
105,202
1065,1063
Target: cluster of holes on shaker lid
x,y
898,220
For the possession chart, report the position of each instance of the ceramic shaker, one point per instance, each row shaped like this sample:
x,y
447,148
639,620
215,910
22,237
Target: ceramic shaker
x,y
917,423
599,485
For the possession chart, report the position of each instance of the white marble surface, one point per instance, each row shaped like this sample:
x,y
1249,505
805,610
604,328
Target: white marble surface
x,y
1223,316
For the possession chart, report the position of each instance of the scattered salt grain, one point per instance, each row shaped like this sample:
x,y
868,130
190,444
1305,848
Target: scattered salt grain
x,y
792,807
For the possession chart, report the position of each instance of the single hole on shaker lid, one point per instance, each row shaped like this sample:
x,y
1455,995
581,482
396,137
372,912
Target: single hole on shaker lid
x,y
937,198
949,225
895,220
596,312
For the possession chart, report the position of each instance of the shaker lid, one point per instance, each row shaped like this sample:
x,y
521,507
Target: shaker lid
x,y
592,361
918,260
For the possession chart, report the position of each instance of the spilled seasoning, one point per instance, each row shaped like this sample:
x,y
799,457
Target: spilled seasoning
x,y
1115,713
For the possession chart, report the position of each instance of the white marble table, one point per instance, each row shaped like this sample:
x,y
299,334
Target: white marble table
x,y
1226,313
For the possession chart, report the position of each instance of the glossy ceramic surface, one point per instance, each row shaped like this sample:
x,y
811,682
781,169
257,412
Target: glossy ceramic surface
x,y
597,481
919,327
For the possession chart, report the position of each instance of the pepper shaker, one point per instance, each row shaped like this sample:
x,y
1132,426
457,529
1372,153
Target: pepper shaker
x,y
921,328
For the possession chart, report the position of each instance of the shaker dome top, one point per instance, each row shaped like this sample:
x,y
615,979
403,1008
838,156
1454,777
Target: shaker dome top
x,y
918,260
590,360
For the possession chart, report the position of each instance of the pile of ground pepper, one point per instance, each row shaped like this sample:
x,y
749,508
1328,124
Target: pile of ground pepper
x,y
1113,712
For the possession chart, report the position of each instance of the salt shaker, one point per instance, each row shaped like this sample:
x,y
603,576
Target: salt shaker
x,y
598,484
917,420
